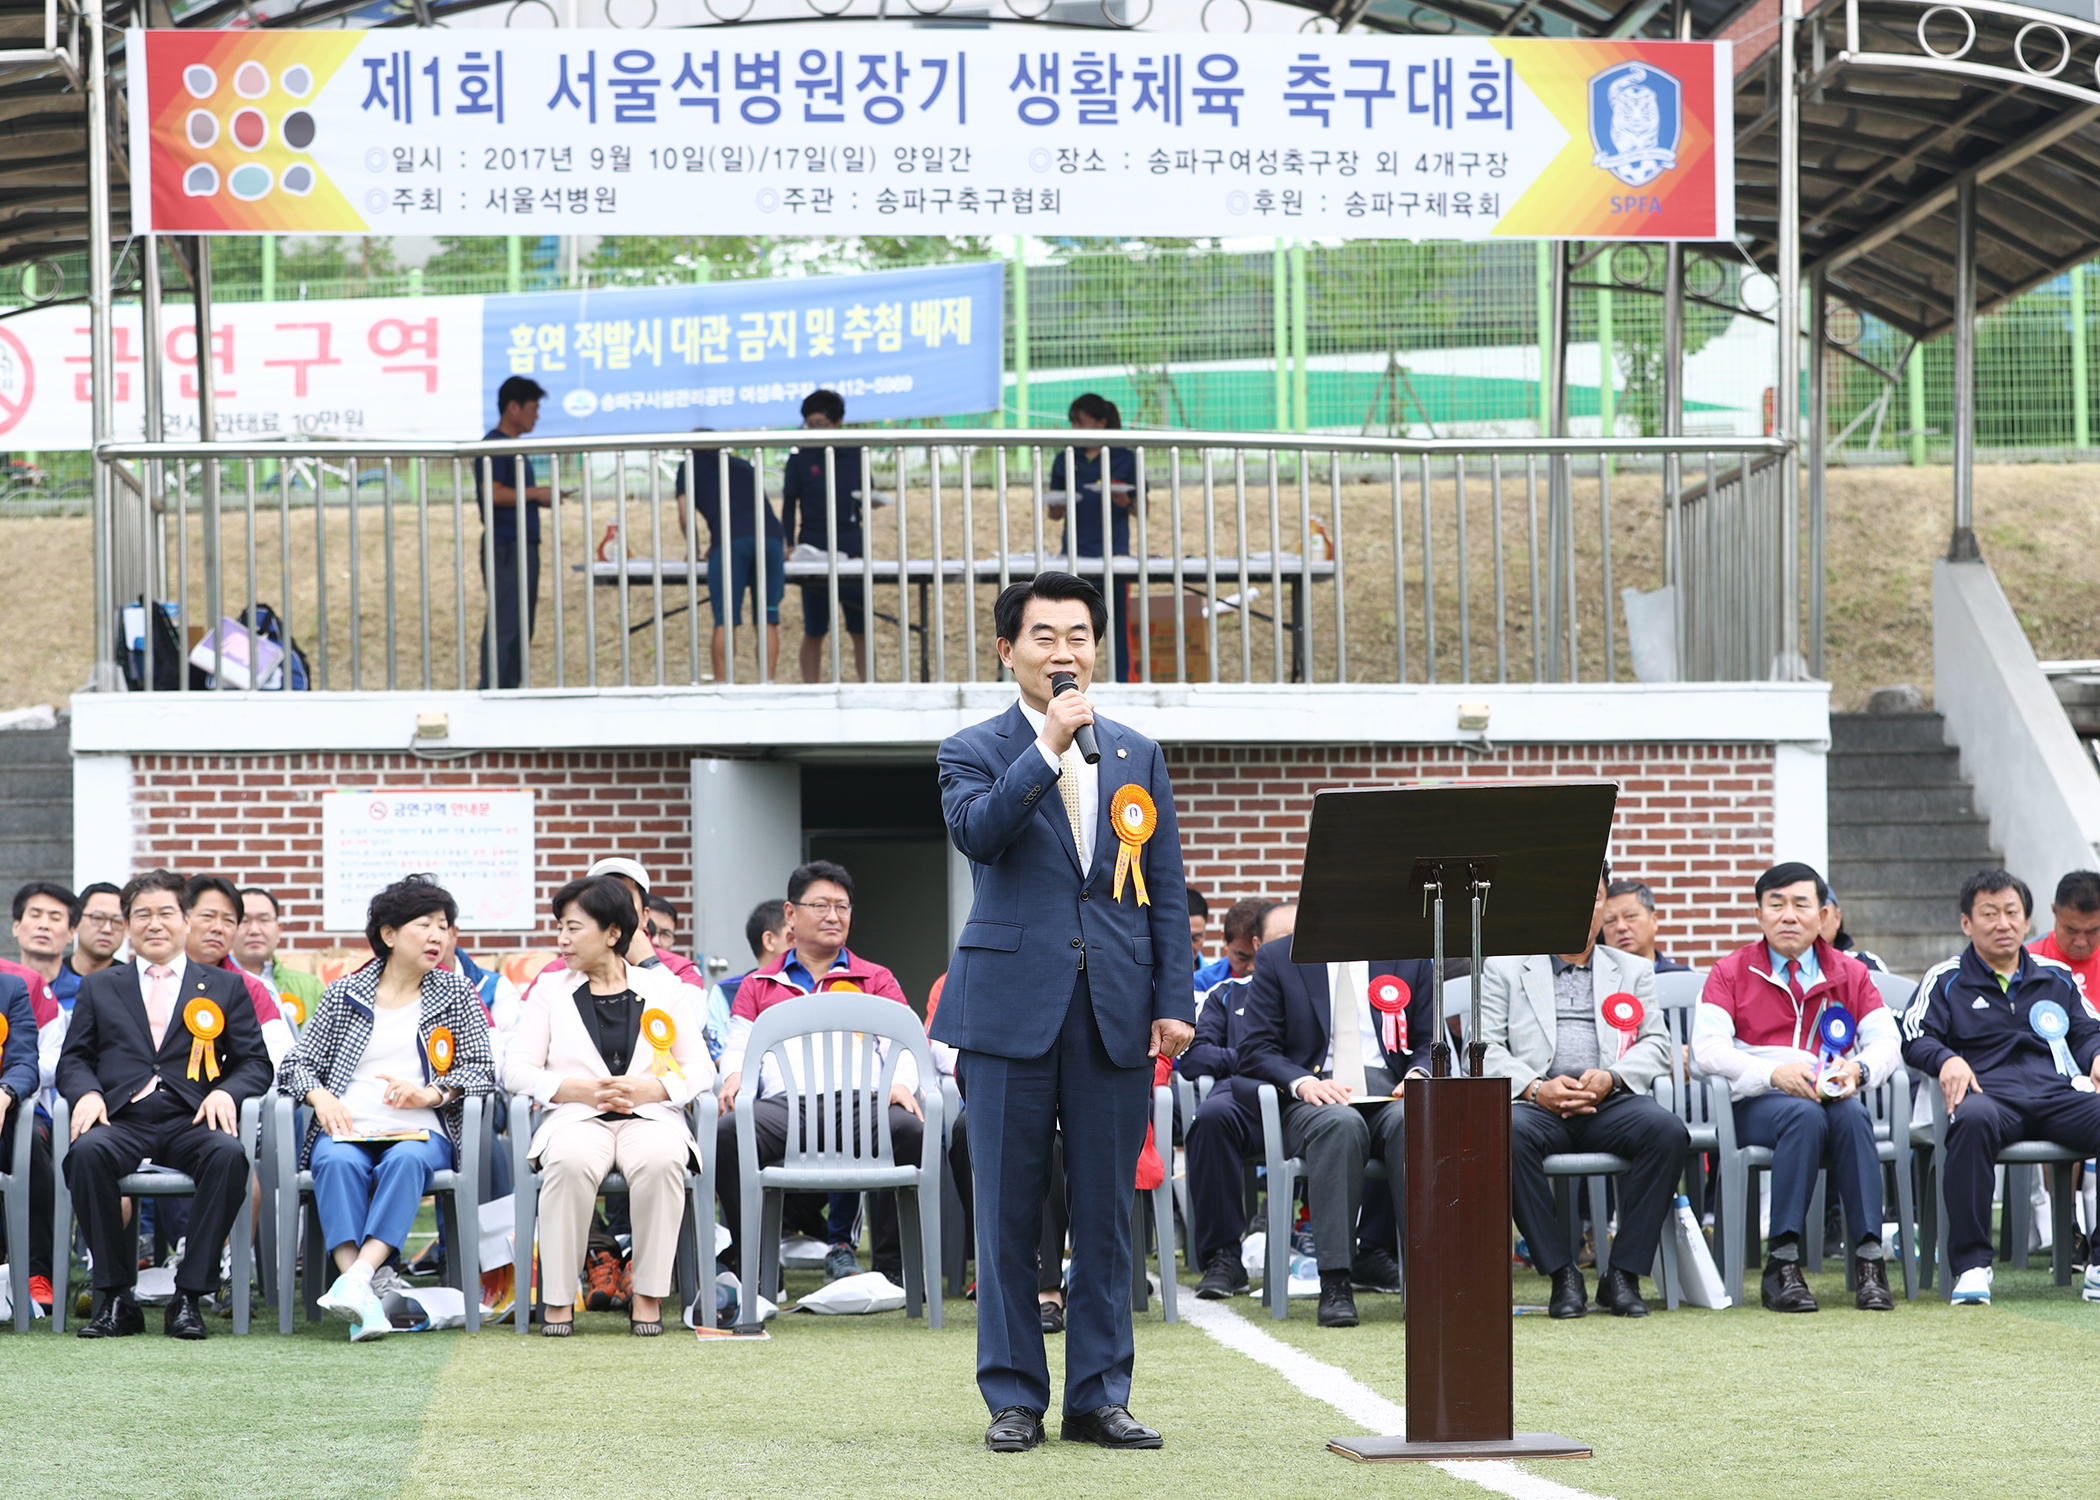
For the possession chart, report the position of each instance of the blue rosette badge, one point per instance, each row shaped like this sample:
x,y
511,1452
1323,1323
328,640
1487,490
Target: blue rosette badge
x,y
2052,1024
1836,1031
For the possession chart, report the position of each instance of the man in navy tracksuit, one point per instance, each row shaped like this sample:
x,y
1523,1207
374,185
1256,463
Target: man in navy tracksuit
x,y
1972,1025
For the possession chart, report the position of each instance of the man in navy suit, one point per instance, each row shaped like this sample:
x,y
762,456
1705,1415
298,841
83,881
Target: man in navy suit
x,y
125,1072
1311,1030
1061,993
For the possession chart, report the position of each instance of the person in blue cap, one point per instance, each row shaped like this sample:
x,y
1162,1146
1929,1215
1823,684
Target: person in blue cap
x,y
2016,1049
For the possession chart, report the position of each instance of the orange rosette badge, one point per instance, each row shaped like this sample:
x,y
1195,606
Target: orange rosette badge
x,y
837,985
1134,817
293,1006
3,1031
659,1032
206,1023
444,1051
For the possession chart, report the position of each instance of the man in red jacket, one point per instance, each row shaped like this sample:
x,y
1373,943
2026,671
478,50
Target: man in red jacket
x,y
820,915
1757,1034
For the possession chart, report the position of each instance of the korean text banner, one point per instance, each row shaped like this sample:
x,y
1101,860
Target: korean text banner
x,y
859,129
895,344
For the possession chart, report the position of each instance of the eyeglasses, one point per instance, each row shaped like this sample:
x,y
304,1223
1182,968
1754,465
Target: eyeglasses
x,y
824,908
256,921
100,919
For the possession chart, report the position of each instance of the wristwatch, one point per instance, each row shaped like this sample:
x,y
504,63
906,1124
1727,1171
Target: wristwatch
x,y
1863,1075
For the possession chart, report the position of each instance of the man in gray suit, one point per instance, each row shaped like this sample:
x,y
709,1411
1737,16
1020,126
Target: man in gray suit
x,y
1580,1039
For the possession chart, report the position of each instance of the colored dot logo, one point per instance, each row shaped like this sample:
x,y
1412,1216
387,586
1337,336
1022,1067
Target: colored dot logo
x,y
238,127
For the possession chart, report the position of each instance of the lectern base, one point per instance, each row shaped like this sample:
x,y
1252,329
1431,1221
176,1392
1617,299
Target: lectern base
x,y
1392,1450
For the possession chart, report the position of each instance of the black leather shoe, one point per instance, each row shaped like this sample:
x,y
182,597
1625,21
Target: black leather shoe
x,y
1014,1429
1784,1289
1337,1302
1571,1295
1108,1427
120,1318
1619,1293
1223,1276
1375,1270
185,1320
1872,1279
1053,1316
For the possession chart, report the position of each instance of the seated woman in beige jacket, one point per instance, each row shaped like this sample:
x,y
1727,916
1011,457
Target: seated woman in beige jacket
x,y
615,1053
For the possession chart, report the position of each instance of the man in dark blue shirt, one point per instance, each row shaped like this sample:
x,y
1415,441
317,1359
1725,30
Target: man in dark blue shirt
x,y
802,483
517,413
744,503
1093,413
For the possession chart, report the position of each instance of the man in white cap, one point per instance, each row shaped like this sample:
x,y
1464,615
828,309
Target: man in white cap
x,y
640,950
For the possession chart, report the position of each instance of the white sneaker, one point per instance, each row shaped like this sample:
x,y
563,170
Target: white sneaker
x,y
2091,1290
344,1299
1973,1287
372,1321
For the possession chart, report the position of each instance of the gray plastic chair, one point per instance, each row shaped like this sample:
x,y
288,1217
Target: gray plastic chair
x,y
837,1077
2059,1159
696,1263
14,1193
152,1183
1681,1091
1162,1206
291,1190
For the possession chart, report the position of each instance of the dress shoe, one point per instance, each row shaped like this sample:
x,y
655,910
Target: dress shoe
x,y
1014,1429
1571,1295
1337,1302
120,1318
1108,1427
1619,1293
1872,1279
1223,1276
1053,1316
1784,1288
1375,1270
185,1320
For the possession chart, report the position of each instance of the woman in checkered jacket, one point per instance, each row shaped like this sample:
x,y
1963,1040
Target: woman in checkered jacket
x,y
386,1064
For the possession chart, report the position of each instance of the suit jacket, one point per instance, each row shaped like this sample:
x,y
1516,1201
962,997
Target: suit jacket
x,y
1288,1008
1036,912
109,1044
552,1043
1211,1054
1518,1023
18,1065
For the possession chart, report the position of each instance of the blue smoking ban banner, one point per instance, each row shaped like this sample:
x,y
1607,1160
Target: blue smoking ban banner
x,y
742,354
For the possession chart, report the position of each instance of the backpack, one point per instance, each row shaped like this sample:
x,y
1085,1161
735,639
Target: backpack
x,y
169,653
270,626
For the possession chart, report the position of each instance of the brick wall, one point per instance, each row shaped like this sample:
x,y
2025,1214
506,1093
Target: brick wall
x,y
257,819
1694,821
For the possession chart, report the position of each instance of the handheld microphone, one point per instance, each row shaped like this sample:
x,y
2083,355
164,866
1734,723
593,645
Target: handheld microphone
x,y
1089,749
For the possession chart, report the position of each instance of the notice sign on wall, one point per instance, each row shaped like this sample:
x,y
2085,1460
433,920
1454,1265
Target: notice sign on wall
x,y
862,129
477,844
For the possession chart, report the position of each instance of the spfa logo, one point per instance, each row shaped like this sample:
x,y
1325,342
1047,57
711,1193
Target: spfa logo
x,y
1636,122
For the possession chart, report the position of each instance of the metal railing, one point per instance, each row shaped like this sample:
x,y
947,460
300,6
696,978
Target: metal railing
x,y
1253,558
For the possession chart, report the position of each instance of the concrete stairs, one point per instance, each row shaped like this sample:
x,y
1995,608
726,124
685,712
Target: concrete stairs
x,y
36,809
1904,833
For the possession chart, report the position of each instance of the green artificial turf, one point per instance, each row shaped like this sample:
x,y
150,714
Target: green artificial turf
x,y
1928,1401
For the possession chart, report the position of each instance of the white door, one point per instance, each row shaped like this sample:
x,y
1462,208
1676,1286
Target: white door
x,y
747,838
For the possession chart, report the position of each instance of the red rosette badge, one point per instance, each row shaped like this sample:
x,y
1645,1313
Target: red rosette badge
x,y
1389,997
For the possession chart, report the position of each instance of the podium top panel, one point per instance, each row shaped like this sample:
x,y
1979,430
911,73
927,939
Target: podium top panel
x,y
1370,853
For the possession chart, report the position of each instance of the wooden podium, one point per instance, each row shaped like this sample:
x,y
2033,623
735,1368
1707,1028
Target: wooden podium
x,y
1380,867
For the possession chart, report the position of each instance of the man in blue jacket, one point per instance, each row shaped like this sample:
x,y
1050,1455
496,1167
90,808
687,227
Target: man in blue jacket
x,y
1983,1024
1070,977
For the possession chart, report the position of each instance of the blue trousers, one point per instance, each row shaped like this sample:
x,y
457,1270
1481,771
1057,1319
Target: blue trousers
x,y
1225,1132
1016,1107
1803,1134
368,1191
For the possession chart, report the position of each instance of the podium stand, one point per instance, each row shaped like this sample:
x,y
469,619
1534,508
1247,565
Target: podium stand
x,y
1380,868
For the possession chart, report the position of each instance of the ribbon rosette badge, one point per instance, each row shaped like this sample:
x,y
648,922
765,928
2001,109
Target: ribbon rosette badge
x,y
443,1049
837,986
206,1023
1389,997
3,1031
660,1033
1135,817
1836,1030
2052,1023
292,1004
1624,1014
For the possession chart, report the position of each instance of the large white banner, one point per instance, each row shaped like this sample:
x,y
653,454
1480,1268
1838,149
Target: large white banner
x,y
856,129
477,844
406,367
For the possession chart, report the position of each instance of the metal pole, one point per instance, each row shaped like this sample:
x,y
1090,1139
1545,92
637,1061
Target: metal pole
x,y
1914,396
1280,318
1560,519
1301,415
1786,399
1818,458
208,432
1022,414
1963,546
2081,408
1673,426
106,676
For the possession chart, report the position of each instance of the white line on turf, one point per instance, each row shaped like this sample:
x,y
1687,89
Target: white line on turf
x,y
1357,1401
